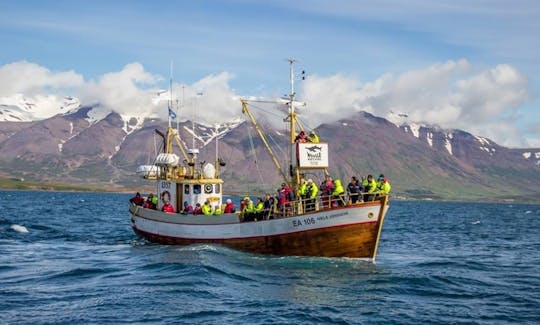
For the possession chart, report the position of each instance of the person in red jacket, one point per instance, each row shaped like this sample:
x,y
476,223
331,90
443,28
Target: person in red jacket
x,y
197,209
137,199
167,207
229,207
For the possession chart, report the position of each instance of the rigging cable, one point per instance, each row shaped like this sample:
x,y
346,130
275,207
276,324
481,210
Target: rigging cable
x,y
280,148
255,156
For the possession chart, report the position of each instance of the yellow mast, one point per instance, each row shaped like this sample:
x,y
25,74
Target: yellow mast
x,y
294,124
246,110
173,135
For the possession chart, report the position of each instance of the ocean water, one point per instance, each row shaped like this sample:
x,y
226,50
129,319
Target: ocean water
x,y
72,258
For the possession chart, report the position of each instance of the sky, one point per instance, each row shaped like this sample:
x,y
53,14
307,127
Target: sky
x,y
469,65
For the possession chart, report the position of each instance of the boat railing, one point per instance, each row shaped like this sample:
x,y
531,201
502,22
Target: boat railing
x,y
301,206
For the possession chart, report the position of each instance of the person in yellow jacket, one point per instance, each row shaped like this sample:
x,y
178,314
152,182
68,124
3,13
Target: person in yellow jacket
x,y
259,208
249,210
311,193
313,137
370,188
302,188
337,194
383,185
217,210
206,208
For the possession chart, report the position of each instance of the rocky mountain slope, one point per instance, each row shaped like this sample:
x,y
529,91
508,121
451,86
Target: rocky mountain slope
x,y
421,162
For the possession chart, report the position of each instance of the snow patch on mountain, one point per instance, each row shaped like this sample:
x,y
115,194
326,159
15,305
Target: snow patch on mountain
x,y
97,113
204,134
414,129
129,127
20,108
485,145
429,139
448,142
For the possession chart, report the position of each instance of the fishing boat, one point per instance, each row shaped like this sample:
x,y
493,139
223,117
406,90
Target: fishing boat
x,y
325,225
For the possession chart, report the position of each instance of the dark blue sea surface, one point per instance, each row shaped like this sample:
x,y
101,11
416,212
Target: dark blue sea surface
x,y
70,258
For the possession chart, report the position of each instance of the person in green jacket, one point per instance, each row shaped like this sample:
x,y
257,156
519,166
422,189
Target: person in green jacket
x,y
337,194
311,192
301,192
206,208
370,189
217,210
249,210
313,137
383,185
259,208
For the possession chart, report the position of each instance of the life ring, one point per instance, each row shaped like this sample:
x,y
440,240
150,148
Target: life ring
x,y
208,188
165,196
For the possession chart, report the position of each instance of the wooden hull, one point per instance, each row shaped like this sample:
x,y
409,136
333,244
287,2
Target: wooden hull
x,y
351,231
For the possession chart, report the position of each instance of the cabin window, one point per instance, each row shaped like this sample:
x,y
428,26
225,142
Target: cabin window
x,y
186,189
208,188
218,188
197,189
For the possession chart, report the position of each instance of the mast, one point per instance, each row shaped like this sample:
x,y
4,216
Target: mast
x,y
294,177
246,110
294,171
292,115
170,112
171,132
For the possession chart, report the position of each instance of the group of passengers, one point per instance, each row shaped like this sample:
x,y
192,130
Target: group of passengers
x,y
260,210
302,137
367,188
331,194
149,202
207,209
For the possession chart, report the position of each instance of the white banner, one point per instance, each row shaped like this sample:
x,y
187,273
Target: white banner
x,y
314,155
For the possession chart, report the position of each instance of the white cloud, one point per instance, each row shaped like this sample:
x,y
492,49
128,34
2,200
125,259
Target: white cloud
x,y
30,79
451,94
210,100
129,92
447,94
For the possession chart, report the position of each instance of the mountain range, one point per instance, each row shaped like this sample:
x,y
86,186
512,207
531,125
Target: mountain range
x,y
89,145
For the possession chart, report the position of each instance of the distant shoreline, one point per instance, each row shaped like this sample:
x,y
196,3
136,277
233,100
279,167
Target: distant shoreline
x,y
13,184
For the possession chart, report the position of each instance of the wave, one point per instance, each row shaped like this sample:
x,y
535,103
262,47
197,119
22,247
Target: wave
x,y
19,229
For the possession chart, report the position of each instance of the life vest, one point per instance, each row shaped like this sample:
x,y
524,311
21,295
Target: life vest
x,y
338,190
312,191
312,137
302,189
371,186
385,187
259,207
250,207
206,210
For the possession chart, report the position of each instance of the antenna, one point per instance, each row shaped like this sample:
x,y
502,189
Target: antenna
x,y
199,94
217,141
291,64
170,104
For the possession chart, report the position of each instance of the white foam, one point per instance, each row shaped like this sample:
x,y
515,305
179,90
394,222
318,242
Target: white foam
x,y
19,228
